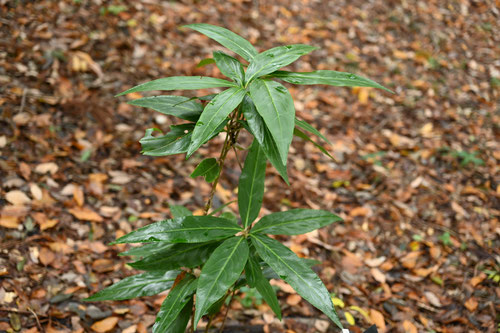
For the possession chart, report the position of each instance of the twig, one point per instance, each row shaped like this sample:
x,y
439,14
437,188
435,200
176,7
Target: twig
x,y
23,100
227,311
25,313
37,321
237,158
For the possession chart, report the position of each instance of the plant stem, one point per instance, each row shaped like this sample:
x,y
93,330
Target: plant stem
x,y
227,311
233,130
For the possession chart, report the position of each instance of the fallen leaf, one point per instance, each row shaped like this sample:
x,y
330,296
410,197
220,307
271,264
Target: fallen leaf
x,y
350,319
433,299
378,319
409,327
378,275
360,211
410,260
477,279
36,192
17,198
49,167
46,256
102,265
85,214
11,222
78,195
105,325
471,304
293,299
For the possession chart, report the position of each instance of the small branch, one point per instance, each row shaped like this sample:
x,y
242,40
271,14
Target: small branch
x,y
37,321
237,158
227,311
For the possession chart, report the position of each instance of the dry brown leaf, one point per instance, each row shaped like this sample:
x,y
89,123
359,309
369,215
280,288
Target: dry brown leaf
x,y
360,211
105,325
25,170
36,192
378,319
471,304
378,275
78,195
49,167
11,222
409,327
85,214
46,256
410,260
17,198
433,299
375,262
102,265
477,279
293,299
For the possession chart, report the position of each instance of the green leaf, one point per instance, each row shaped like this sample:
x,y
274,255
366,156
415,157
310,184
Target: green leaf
x,y
209,168
145,250
304,136
179,211
173,305
187,229
257,280
259,130
219,273
179,106
145,284
227,38
294,222
179,255
275,105
180,323
275,58
176,141
305,126
206,61
251,184
229,66
213,115
332,78
180,83
296,273
221,207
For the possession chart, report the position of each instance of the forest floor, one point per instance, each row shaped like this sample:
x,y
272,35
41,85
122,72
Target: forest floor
x,y
416,177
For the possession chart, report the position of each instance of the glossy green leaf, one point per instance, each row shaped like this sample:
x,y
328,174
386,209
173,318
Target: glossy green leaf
x,y
176,141
145,284
304,136
209,168
307,127
332,78
256,279
213,115
259,130
179,211
296,273
145,250
227,38
173,305
187,229
179,255
294,222
221,207
180,323
275,105
275,58
179,106
206,61
229,66
251,184
219,273
180,83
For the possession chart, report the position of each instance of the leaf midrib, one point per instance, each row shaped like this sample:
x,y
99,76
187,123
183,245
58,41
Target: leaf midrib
x,y
277,115
223,268
250,199
266,64
255,230
177,298
251,56
163,258
284,262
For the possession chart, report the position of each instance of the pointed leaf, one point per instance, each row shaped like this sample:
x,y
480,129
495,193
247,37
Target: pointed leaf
x,y
251,184
187,229
179,211
179,255
209,168
213,115
145,250
294,222
176,141
259,130
180,83
173,305
179,106
227,38
145,284
275,58
297,274
206,61
219,273
332,78
257,280
275,104
305,126
230,67
304,136
180,323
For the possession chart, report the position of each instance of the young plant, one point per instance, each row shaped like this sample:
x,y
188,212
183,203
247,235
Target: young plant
x,y
231,253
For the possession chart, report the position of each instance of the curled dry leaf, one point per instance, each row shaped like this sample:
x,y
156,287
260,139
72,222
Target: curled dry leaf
x,y
105,325
85,214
